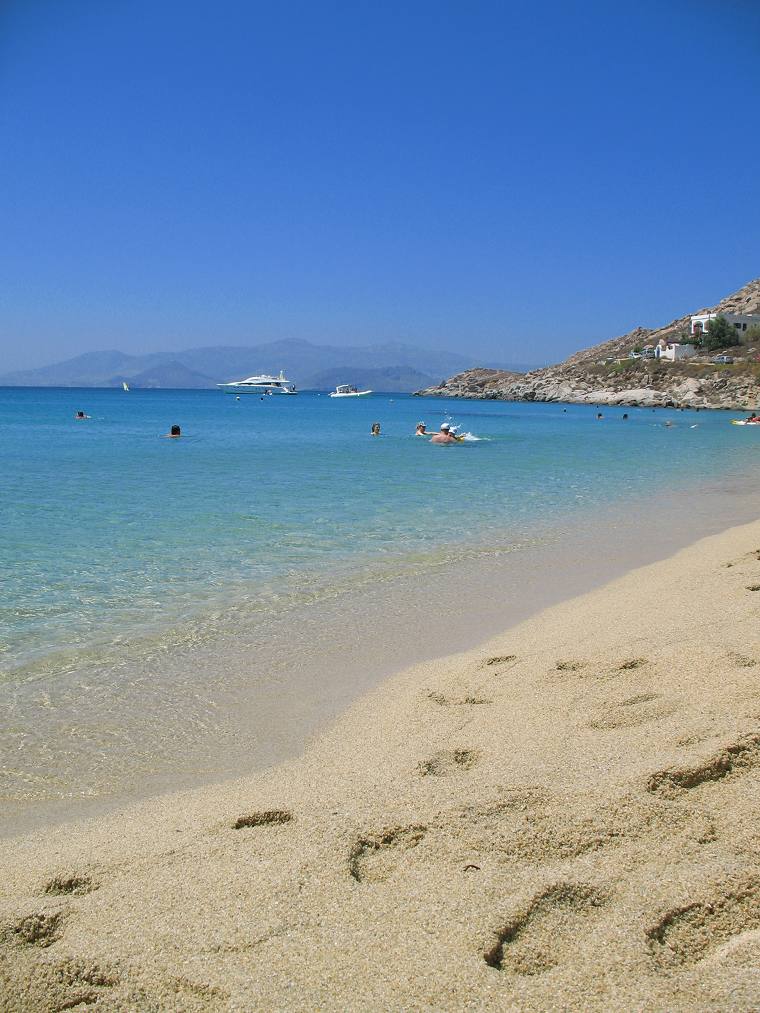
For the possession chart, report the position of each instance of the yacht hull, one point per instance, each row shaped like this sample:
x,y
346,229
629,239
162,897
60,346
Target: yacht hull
x,y
249,389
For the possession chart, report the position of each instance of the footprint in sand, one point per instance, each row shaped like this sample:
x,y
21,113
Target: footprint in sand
x,y
635,710
630,663
374,858
448,761
732,759
545,933
536,826
471,700
62,985
570,665
685,935
742,660
266,818
210,995
43,928
75,883
501,659
576,665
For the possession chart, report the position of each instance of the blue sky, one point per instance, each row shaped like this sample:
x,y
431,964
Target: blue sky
x,y
514,180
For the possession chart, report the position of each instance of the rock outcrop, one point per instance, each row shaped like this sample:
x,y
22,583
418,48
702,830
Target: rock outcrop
x,y
604,375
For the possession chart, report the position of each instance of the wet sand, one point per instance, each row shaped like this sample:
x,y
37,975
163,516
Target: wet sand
x,y
563,818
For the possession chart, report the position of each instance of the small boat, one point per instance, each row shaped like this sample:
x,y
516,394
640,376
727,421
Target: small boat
x,y
125,385
348,390
745,422
262,384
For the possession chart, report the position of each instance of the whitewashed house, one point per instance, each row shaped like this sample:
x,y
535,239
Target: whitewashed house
x,y
673,351
700,322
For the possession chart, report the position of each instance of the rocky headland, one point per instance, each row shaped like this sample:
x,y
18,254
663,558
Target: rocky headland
x,y
604,374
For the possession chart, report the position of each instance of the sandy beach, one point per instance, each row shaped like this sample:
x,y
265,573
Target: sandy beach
x,y
564,818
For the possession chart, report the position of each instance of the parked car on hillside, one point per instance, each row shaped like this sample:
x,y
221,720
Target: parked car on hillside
x,y
724,360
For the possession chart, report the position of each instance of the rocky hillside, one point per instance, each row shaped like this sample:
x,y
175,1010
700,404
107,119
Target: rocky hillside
x,y
603,374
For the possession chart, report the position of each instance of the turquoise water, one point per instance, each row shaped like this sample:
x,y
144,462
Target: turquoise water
x,y
110,530
124,556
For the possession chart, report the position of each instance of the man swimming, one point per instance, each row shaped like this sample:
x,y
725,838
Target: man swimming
x,y
421,430
444,435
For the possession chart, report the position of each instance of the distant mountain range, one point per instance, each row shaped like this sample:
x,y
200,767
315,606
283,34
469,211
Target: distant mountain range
x,y
390,367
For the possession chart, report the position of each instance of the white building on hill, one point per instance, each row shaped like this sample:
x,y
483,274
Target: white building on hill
x,y
673,351
741,321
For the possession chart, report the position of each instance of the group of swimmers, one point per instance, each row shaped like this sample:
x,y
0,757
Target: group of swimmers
x,y
174,433
444,435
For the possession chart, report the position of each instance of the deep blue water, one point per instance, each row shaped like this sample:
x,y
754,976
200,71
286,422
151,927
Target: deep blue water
x,y
109,530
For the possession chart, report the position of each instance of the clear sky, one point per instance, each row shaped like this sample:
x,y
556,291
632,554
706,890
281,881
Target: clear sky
x,y
513,179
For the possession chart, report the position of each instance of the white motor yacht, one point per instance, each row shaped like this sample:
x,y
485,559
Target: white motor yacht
x,y
348,390
263,384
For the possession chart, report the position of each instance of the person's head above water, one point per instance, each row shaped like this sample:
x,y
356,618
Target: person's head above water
x,y
175,431
445,427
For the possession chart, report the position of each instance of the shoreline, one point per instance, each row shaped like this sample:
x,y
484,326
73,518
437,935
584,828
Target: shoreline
x,y
268,712
563,815
602,398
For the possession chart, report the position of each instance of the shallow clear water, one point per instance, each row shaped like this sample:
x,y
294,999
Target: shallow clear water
x,y
121,552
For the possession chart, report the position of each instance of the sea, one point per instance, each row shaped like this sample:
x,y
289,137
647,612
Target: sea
x,y
179,611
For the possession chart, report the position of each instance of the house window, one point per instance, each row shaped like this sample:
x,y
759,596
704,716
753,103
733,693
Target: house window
x,y
744,327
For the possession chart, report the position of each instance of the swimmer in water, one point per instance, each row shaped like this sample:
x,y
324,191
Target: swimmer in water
x,y
421,429
375,430
81,415
444,435
174,433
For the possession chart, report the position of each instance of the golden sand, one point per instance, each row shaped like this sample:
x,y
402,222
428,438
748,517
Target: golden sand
x,y
566,818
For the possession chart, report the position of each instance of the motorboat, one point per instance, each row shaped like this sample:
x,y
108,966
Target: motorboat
x,y
348,390
263,384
